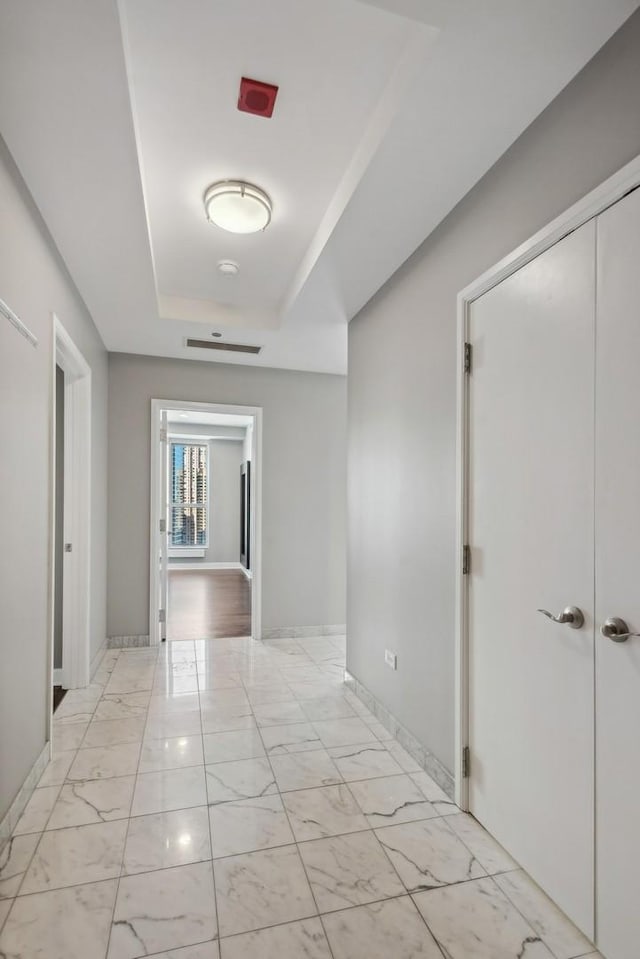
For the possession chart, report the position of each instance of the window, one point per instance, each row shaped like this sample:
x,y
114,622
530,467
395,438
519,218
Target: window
x,y
188,487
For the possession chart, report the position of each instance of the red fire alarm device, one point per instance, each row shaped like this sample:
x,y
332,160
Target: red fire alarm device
x,y
257,97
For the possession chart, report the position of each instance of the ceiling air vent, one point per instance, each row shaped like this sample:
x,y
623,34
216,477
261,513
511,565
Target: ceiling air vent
x,y
226,347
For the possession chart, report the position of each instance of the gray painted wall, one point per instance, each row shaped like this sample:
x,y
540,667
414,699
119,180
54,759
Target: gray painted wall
x,y
34,282
402,390
304,483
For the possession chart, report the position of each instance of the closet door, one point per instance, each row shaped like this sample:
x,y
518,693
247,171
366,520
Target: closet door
x,y
618,579
531,537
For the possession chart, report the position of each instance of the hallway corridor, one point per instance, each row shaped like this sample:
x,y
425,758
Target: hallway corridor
x,y
226,799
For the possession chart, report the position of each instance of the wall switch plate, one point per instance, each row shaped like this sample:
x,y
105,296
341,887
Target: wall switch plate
x,y
390,659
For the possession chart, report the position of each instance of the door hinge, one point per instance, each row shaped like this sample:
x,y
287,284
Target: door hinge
x,y
162,615
466,560
468,354
163,526
466,762
163,435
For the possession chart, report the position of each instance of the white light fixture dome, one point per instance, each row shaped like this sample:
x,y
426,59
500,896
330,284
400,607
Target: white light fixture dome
x,y
238,207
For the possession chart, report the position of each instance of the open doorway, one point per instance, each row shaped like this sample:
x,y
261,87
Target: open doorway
x,y
70,515
59,682
205,556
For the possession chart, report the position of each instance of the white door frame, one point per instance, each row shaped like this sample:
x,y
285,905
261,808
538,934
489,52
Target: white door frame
x,y
594,203
163,486
256,505
77,509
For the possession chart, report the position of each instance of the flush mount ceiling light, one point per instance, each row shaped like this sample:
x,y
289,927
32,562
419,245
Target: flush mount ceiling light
x,y
237,207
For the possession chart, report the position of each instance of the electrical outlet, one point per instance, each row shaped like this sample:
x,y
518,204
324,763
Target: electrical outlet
x,y
390,659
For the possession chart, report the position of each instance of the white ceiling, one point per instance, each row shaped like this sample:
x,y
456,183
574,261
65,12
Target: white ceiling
x,y
190,134
119,116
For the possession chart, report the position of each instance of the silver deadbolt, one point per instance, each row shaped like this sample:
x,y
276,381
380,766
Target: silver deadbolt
x,y
616,629
68,547
570,616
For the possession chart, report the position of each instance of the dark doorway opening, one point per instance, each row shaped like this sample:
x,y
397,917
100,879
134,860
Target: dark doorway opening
x,y
58,676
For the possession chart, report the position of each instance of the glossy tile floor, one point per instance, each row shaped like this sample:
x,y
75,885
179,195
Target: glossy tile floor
x,y
224,799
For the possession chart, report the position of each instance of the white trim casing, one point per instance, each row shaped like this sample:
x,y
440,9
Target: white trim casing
x,y
594,203
163,487
157,405
176,567
461,639
22,328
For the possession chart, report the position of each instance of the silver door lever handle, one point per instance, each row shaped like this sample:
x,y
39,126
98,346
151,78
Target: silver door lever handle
x,y
571,616
616,629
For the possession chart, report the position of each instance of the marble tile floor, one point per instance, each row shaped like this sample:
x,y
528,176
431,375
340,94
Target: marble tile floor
x,y
225,799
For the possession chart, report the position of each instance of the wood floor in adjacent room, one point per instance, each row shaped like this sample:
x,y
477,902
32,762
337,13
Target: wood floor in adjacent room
x,y
208,604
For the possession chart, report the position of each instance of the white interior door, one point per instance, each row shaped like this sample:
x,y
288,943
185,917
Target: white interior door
x,y
618,579
531,682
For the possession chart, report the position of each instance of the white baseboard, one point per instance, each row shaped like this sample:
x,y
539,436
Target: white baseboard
x,y
126,642
302,632
191,566
97,658
247,572
423,756
58,677
10,820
